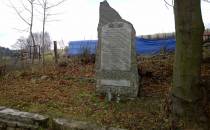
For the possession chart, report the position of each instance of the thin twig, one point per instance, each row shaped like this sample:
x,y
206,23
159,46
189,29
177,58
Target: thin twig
x,y
24,6
52,6
168,4
18,13
21,30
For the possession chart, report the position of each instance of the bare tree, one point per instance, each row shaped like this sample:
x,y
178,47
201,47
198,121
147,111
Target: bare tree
x,y
61,44
46,7
38,39
20,44
29,8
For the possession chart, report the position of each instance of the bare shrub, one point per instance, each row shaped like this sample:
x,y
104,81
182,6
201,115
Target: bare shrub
x,y
63,64
86,57
2,70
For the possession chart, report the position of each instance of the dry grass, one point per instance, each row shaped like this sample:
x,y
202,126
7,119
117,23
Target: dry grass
x,y
70,92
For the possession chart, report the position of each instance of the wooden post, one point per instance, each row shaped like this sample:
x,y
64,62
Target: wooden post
x,y
30,52
39,53
55,52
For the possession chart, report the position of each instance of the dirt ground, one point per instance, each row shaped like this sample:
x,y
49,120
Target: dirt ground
x,y
69,92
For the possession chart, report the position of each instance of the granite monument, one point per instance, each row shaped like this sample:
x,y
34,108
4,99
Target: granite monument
x,y
116,65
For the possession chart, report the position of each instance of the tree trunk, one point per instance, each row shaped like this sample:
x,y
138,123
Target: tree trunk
x,y
43,34
33,41
31,31
186,91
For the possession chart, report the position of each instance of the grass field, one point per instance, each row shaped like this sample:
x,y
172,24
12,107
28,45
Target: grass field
x,y
69,92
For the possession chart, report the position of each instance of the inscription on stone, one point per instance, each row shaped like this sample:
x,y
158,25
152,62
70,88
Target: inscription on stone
x,y
120,83
116,47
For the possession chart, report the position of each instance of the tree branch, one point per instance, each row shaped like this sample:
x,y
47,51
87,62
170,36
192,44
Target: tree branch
x,y
24,6
168,4
19,13
52,6
41,4
53,14
30,1
21,30
55,20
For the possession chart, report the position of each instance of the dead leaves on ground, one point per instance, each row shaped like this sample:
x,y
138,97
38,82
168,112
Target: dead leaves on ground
x,y
70,92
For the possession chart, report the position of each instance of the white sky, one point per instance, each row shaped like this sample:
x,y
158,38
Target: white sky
x,y
79,19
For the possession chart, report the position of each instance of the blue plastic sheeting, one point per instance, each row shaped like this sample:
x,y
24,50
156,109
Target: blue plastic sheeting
x,y
78,47
143,46
153,47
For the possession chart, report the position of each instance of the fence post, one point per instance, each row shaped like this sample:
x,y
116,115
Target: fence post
x,y
55,52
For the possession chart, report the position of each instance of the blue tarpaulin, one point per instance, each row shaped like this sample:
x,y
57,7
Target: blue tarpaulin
x,y
143,46
152,47
78,47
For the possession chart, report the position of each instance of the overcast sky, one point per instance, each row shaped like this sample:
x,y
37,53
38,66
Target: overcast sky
x,y
78,19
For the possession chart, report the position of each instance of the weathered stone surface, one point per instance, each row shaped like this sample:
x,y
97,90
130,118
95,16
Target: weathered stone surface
x,y
1,108
15,117
11,119
63,124
15,124
120,83
44,77
107,14
116,46
116,65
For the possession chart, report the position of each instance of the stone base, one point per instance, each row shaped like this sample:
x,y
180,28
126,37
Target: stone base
x,y
63,124
118,91
11,119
